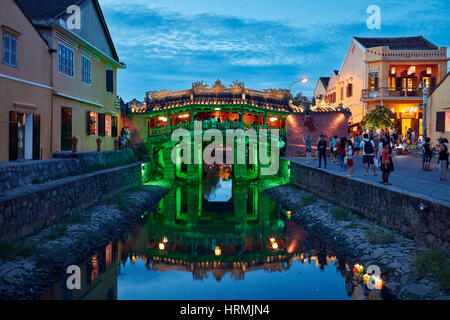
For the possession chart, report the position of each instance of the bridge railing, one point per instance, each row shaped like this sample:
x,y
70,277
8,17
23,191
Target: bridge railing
x,y
211,125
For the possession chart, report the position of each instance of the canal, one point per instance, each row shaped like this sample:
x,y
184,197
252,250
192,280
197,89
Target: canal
x,y
216,240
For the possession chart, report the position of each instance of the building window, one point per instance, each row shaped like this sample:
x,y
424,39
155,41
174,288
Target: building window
x,y
66,129
109,81
349,90
342,93
443,121
373,81
85,70
92,123
392,83
9,50
101,124
65,60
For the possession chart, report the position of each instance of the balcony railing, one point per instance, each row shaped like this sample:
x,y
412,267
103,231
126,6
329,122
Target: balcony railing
x,y
208,125
390,93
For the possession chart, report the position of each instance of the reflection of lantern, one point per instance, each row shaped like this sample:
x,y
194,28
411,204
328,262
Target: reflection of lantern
x,y
275,246
165,240
272,239
218,251
288,214
162,246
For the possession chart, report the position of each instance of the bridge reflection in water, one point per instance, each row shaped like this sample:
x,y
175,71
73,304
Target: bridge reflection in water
x,y
218,240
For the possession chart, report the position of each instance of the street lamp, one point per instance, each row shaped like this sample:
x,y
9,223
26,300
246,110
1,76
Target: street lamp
x,y
302,80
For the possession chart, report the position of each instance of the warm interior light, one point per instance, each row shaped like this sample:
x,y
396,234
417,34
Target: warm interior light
x,y
429,70
218,251
164,119
162,246
393,70
273,119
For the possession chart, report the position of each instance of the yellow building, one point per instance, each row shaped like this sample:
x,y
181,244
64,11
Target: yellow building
x,y
82,74
25,87
389,72
438,111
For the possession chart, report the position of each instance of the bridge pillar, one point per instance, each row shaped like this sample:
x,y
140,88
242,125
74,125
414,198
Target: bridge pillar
x,y
240,206
169,166
195,170
194,203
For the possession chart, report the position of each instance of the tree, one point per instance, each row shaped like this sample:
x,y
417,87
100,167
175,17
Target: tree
x,y
378,118
300,100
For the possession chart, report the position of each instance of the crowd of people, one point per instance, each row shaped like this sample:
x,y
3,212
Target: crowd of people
x,y
377,150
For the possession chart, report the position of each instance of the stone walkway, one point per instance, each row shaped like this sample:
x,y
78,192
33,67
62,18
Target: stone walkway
x,y
407,177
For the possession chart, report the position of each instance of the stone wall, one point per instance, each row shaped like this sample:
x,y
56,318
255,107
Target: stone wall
x,y
418,217
326,123
25,211
19,174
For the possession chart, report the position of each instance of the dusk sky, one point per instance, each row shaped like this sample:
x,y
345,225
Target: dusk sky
x,y
168,44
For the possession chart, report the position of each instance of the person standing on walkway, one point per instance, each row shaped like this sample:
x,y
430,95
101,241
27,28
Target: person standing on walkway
x,y
322,151
307,140
349,153
368,148
443,159
427,154
385,159
333,150
341,153
357,145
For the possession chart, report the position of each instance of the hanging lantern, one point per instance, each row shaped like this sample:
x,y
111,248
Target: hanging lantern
x,y
275,246
162,246
165,240
218,251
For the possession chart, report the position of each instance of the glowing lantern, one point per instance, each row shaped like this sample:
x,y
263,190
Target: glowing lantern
x,y
165,240
273,119
218,251
358,269
162,246
163,119
272,239
378,283
275,246
288,214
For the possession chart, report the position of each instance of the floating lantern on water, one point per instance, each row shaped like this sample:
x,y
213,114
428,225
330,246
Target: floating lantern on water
x,y
378,283
218,251
366,278
162,246
288,214
358,269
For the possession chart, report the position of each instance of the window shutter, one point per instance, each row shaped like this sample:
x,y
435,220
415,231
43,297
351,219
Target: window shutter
x,y
376,83
101,124
398,84
114,126
88,122
440,121
109,81
433,82
13,136
36,136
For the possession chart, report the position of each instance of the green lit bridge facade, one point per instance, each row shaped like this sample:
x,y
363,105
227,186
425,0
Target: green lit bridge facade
x,y
232,108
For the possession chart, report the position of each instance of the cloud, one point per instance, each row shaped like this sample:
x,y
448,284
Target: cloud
x,y
168,44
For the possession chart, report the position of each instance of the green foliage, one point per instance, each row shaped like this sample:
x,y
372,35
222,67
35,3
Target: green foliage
x,y
379,236
340,213
57,231
379,118
12,249
437,264
308,199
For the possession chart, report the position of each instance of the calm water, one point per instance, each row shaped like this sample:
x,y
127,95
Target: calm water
x,y
218,240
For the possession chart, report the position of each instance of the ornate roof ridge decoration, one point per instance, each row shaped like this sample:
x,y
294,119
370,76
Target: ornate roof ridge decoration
x,y
322,108
200,87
